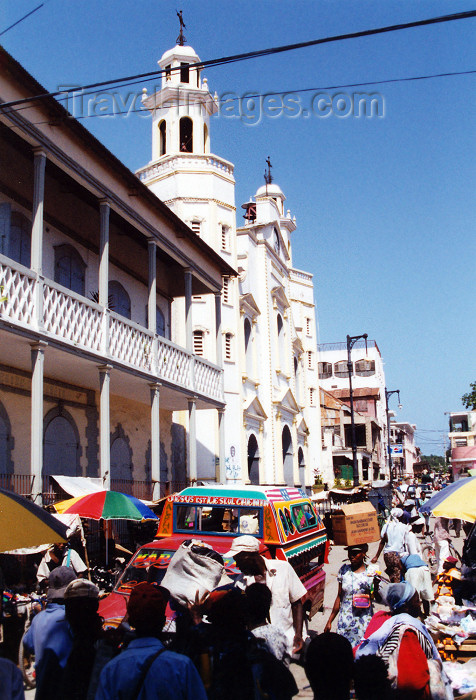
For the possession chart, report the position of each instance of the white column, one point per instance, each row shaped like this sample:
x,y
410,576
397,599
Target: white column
x,y
188,311
104,210
36,451
155,440
192,440
152,299
221,472
103,280
39,163
219,339
105,426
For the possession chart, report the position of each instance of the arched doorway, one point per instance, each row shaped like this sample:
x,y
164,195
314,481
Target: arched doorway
x,y
288,470
61,449
253,460
302,468
121,457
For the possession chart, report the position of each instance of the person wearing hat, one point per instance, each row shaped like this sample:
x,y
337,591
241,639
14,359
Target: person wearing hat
x,y
392,542
286,587
52,638
52,617
413,661
353,602
145,667
442,540
60,554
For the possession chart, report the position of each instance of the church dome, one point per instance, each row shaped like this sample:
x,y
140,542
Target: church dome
x,y
179,53
272,190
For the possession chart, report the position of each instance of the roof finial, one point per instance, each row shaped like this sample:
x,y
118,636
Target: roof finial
x,y
181,39
268,178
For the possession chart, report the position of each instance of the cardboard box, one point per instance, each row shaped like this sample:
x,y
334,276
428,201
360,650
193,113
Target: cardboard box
x,y
355,523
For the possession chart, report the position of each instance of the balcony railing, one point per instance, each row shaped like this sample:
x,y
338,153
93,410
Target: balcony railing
x,y
185,161
29,301
18,483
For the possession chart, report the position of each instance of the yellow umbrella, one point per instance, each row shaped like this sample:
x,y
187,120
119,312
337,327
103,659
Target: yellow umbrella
x,y
24,524
458,500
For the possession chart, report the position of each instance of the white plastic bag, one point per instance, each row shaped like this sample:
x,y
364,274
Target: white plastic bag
x,y
195,566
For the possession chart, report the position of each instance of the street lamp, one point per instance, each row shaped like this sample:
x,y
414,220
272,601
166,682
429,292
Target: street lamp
x,y
387,396
351,340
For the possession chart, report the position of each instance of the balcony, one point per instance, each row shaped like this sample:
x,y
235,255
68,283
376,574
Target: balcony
x,y
185,162
30,302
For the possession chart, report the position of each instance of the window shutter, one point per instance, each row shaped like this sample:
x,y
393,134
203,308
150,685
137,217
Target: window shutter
x,y
5,210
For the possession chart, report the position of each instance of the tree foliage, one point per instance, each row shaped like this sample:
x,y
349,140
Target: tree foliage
x,y
469,399
435,461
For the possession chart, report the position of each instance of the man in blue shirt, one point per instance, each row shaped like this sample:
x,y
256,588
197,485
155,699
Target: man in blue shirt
x,y
52,618
145,670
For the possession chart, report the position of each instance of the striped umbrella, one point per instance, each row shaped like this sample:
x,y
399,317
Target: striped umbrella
x,y
107,505
458,500
24,524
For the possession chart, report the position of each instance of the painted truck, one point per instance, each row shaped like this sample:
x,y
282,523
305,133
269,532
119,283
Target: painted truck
x,y
284,520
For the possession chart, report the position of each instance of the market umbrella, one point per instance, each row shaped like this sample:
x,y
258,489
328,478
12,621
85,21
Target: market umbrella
x,y
458,500
107,505
24,524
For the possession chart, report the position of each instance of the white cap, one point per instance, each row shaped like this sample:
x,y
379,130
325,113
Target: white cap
x,y
245,543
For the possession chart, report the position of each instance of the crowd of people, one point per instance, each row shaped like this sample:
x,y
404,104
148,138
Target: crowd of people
x,y
238,641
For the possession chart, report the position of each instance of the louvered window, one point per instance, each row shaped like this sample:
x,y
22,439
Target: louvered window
x,y
228,348
340,369
226,290
311,396
308,326
325,370
309,359
224,237
198,342
196,226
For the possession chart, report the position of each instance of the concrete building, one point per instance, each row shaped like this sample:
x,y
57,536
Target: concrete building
x,y
405,454
271,426
462,435
368,383
98,375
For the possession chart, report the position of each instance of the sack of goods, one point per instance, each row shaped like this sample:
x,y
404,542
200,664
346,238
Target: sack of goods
x,y
195,566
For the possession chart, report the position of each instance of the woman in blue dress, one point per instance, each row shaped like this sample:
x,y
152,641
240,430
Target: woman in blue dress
x,y
353,602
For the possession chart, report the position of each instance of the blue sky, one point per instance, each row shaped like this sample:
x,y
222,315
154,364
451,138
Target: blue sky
x,y
384,205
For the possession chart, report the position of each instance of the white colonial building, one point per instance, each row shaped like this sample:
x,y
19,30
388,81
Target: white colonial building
x,y
368,384
267,337
98,372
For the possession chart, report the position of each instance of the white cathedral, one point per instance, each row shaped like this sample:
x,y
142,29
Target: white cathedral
x,y
270,430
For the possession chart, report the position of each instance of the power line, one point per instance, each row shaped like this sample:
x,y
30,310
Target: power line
x,y
81,94
263,52
23,18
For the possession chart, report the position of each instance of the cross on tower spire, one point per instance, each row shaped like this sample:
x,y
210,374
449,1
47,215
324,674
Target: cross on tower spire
x,y
268,178
181,39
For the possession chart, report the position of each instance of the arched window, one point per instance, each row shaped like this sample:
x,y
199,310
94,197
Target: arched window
x,y
6,464
119,299
253,460
163,137
325,370
340,369
206,142
287,443
121,460
186,135
365,368
302,467
248,347
280,330
61,449
19,248
297,378
69,268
